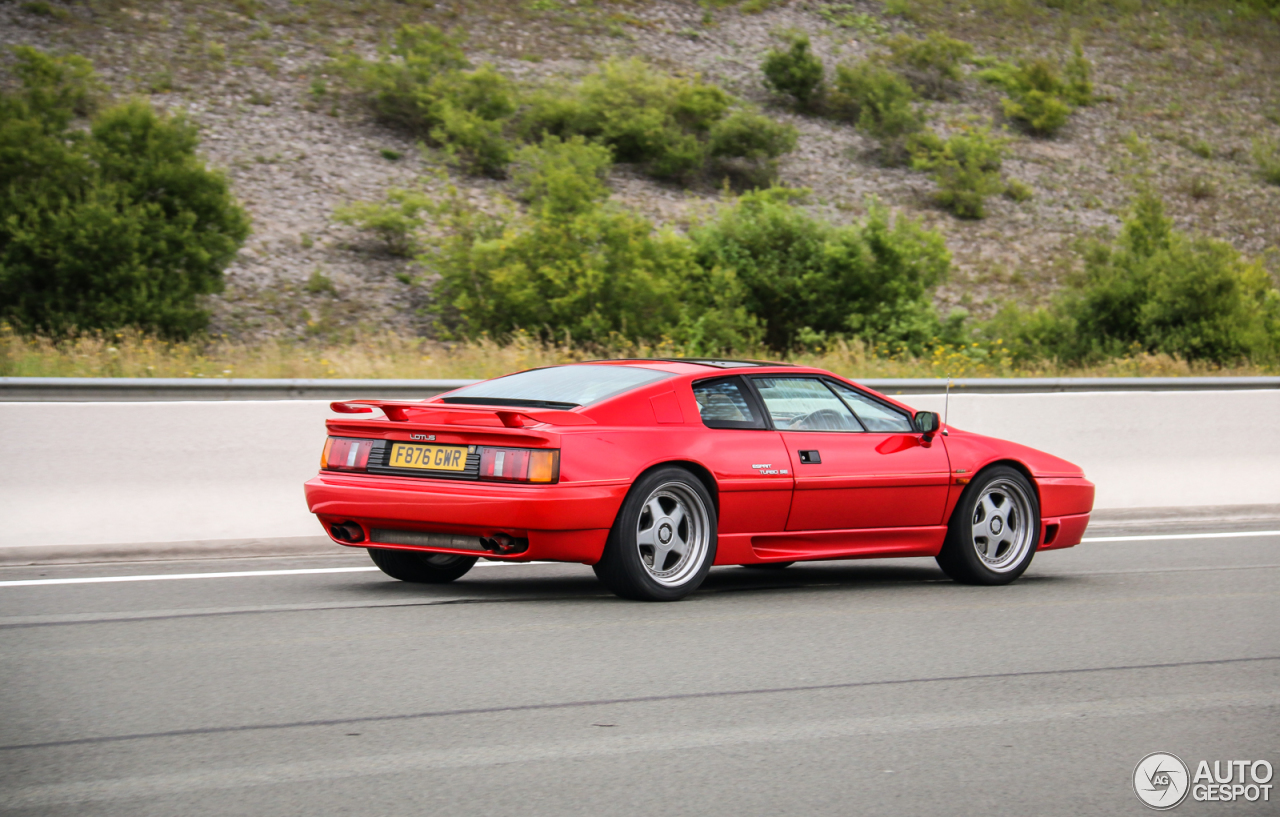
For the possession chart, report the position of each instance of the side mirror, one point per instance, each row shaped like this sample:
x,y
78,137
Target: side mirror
x,y
928,423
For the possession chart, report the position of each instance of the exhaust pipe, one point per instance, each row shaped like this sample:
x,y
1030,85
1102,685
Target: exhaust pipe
x,y
504,544
347,532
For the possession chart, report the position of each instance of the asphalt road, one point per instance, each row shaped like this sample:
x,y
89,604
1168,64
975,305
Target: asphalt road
x,y
839,688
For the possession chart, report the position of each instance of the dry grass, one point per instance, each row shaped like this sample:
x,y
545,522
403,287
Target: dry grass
x,y
128,354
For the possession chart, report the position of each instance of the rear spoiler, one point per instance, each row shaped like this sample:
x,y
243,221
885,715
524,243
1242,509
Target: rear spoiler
x,y
399,411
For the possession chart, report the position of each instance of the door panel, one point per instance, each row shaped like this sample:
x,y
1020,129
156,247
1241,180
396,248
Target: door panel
x,y
866,480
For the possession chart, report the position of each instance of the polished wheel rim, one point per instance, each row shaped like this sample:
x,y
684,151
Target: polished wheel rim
x,y
673,534
1002,525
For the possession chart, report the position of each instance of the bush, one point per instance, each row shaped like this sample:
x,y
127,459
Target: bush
x,y
1019,191
1079,73
931,65
1267,154
966,168
1041,113
422,83
795,72
744,145
663,122
1156,290
395,220
1039,98
879,102
114,226
870,280
602,276
563,177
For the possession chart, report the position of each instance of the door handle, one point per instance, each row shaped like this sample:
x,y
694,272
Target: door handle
x,y
810,458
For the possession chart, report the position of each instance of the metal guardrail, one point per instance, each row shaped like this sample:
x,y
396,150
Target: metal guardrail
x,y
116,389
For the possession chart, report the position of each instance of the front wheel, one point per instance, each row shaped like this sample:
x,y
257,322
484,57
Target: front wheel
x,y
994,530
421,568
664,540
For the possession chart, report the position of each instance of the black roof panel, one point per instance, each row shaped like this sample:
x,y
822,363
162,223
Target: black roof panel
x,y
713,362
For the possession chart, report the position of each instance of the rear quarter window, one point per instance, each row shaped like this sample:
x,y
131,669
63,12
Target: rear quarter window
x,y
724,404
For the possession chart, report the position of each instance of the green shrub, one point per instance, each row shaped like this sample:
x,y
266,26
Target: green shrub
x,y
1041,113
1267,154
1079,75
1019,191
1157,290
1040,99
744,145
795,72
422,83
966,168
663,122
114,226
876,99
870,280
601,276
395,220
563,177
931,65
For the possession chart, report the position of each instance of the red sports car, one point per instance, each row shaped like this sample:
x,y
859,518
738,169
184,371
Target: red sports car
x,y
651,471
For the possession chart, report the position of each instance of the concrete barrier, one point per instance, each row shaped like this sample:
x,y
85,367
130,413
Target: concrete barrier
x,y
103,480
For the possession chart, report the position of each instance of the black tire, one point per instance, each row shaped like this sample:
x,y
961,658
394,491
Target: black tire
x,y
421,568
768,565
629,565
971,553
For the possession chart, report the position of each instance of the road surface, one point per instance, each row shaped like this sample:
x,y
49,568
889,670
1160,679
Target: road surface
x,y
315,686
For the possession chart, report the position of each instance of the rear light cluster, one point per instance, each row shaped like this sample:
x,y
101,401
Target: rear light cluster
x,y
519,464
496,464
345,455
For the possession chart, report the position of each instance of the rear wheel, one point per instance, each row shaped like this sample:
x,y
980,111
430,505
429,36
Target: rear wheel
x,y
664,539
994,530
422,568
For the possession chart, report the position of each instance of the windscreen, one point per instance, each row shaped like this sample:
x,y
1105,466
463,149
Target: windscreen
x,y
557,387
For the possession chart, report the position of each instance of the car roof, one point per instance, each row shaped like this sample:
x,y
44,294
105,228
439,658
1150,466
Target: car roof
x,y
688,365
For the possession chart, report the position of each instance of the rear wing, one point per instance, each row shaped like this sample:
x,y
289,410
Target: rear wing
x,y
400,411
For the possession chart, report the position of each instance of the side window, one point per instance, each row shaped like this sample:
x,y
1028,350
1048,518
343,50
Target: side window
x,y
804,404
723,404
876,416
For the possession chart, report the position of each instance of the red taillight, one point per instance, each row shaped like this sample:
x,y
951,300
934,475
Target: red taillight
x,y
342,454
519,464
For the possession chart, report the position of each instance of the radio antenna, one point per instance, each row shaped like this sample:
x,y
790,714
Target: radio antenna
x,y
946,404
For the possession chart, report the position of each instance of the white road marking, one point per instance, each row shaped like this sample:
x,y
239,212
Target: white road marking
x,y
240,574
1154,537
186,783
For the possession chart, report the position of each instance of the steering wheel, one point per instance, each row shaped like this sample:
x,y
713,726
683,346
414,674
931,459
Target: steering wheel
x,y
820,420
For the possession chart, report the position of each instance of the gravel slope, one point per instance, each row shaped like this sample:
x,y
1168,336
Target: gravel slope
x,y
293,155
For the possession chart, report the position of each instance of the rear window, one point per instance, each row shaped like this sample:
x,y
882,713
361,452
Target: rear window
x,y
560,387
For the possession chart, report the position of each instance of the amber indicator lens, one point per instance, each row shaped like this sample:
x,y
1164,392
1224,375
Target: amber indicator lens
x,y
519,465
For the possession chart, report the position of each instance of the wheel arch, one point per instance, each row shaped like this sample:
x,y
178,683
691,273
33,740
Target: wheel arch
x,y
1011,463
697,469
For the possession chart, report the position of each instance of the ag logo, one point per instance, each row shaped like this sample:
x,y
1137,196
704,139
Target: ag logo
x,y
1161,780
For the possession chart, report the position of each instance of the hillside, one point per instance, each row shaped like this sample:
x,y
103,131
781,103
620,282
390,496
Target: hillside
x,y
1183,93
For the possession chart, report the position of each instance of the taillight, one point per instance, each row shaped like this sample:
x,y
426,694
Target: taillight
x,y
519,464
342,454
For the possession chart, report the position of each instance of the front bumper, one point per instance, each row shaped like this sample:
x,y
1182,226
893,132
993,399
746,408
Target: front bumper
x,y
563,522
1062,531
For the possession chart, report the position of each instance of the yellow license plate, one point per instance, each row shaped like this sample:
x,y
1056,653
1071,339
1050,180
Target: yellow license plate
x,y
429,457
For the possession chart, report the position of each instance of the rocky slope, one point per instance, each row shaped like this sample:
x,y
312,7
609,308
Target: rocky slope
x,y
1183,100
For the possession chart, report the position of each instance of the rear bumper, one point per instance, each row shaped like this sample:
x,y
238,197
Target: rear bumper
x,y
563,522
